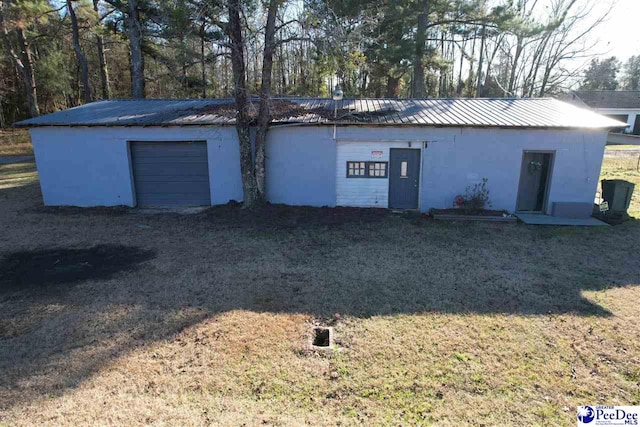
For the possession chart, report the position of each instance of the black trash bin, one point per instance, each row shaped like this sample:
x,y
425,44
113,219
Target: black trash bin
x,y
617,193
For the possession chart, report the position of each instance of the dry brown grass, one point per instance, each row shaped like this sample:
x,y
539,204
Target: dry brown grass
x,y
446,324
15,142
17,175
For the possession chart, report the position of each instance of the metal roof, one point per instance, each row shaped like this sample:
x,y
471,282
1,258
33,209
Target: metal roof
x,y
461,112
609,98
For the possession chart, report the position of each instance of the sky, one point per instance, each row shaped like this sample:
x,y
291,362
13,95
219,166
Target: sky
x,y
620,35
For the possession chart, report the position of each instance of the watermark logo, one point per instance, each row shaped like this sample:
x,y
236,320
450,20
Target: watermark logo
x,y
586,414
589,416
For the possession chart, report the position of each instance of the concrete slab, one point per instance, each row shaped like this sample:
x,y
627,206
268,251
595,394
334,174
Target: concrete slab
x,y
537,219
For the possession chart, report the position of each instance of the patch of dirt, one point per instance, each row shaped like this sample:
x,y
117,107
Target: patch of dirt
x,y
46,268
76,210
460,211
274,216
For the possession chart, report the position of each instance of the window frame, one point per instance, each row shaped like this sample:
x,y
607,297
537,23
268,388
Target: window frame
x,y
621,118
366,169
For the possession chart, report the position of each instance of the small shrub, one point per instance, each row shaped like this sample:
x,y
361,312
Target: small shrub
x,y
475,199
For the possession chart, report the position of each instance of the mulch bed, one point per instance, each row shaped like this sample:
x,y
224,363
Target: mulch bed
x,y
78,210
467,212
276,216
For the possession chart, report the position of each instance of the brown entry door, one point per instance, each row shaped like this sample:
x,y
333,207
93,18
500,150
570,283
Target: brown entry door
x,y
534,179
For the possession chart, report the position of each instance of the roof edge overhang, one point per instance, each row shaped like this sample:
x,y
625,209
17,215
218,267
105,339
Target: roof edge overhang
x,y
318,124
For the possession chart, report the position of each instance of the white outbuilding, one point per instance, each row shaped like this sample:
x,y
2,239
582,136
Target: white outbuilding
x,y
536,155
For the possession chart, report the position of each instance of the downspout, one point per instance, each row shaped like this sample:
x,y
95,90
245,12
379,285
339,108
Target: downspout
x,y
335,117
337,96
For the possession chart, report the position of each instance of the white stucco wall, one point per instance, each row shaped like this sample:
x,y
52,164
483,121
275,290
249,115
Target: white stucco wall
x,y
89,166
458,157
300,166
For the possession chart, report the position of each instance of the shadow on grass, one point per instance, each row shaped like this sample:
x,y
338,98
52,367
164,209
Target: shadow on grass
x,y
316,261
55,270
19,183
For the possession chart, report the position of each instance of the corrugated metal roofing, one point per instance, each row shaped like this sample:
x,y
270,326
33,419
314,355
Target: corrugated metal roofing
x,y
609,98
477,112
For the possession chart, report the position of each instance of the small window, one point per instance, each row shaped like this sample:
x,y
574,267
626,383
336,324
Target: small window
x,y
356,169
367,169
403,170
621,118
378,169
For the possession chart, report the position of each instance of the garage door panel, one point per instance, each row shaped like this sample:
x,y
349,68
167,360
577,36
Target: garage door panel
x,y
171,173
166,187
168,146
149,169
175,178
166,150
173,201
170,160
184,157
181,169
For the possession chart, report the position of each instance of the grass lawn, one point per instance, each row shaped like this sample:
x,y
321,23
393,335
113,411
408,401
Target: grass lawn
x,y
113,317
15,142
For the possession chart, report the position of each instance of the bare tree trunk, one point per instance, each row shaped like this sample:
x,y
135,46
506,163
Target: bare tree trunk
x,y
104,72
256,66
214,85
135,45
80,57
480,61
462,53
3,119
363,82
393,86
23,64
418,64
514,68
545,80
283,73
535,67
240,94
442,76
29,74
203,60
487,76
264,115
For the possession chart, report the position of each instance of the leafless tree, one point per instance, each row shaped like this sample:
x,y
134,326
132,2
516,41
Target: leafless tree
x,y
80,56
102,59
134,30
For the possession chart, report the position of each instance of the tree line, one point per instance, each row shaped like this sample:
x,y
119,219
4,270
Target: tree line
x,y
61,53
612,74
